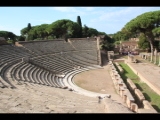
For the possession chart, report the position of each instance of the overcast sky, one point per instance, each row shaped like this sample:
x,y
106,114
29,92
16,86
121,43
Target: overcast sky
x,y
104,19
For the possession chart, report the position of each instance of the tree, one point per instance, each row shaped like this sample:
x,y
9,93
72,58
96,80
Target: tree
x,y
32,34
27,34
63,28
24,31
145,23
38,31
85,31
21,38
8,35
92,32
143,43
80,24
123,35
28,29
101,33
107,43
41,31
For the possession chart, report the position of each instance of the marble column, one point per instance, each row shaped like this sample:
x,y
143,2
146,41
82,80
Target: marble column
x,y
151,58
155,58
145,57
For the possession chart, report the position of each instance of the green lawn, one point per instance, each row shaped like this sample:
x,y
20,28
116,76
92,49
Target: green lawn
x,y
149,94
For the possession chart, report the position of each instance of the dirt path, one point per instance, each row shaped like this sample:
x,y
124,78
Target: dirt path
x,y
98,80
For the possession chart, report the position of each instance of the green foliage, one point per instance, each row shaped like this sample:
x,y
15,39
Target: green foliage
x,y
101,33
156,32
24,31
80,24
29,27
79,21
90,32
10,41
128,73
109,39
8,35
85,31
117,43
143,43
149,94
107,43
40,31
107,46
51,37
123,35
21,38
63,28
157,44
146,23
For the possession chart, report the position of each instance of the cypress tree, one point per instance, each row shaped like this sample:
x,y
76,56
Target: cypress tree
x,y
80,24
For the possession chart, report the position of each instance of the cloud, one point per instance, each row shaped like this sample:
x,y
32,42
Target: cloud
x,y
121,15
72,11
113,19
88,8
124,13
64,9
68,10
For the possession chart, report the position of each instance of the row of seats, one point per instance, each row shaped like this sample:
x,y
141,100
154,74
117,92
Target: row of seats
x,y
54,63
56,46
26,72
82,58
44,68
48,47
12,53
84,44
67,61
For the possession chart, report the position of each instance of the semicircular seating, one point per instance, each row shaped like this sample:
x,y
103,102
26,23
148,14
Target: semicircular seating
x,y
45,62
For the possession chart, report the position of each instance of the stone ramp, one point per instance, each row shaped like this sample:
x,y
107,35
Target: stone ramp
x,y
115,107
43,99
34,98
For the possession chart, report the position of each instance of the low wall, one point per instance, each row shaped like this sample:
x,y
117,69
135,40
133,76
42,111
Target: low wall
x,y
131,85
128,97
144,79
121,88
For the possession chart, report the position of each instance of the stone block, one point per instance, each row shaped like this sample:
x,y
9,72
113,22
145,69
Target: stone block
x,y
134,107
131,85
139,95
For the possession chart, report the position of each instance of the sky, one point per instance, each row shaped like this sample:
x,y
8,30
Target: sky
x,y
105,19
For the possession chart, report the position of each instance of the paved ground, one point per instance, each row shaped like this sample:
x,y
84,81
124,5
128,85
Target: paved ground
x,y
149,71
35,98
99,80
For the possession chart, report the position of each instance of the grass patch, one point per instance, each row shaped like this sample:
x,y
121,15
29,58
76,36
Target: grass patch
x,y
128,73
149,94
